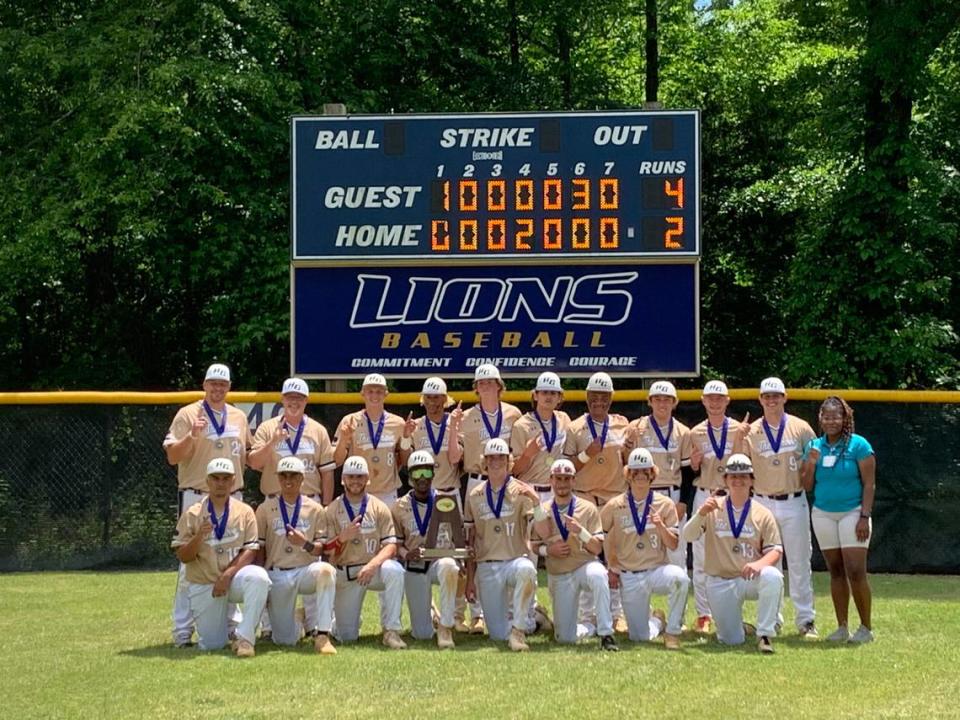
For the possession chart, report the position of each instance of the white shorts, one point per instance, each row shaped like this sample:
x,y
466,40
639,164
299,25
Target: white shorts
x,y
838,529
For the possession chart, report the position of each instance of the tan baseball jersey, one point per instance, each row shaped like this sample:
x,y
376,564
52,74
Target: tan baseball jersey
x,y
382,459
447,475
527,427
711,467
314,448
376,529
585,513
231,444
408,533
627,549
280,552
474,435
725,555
503,537
214,556
603,475
778,473
669,459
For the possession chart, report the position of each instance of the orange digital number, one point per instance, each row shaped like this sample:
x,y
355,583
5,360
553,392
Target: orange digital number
x,y
580,239
675,232
468,195
446,196
609,193
609,233
439,235
468,235
496,195
520,239
581,194
523,190
552,194
674,191
496,235
552,234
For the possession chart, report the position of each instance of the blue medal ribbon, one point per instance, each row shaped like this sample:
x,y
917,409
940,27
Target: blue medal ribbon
x,y
287,520
718,450
603,430
218,428
295,445
436,443
349,508
664,441
495,509
775,442
492,432
548,440
423,524
375,436
737,527
564,533
638,523
219,526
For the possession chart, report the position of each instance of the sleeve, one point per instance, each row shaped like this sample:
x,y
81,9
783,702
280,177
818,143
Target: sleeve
x,y
183,532
694,528
262,437
251,539
670,517
340,426
261,516
570,444
178,428
324,456
320,526
807,434
526,505
770,534
467,511
518,439
398,524
386,528
606,517
593,523
686,448
861,447
247,436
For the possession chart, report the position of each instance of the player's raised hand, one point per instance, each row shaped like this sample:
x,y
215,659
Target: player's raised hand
x,y
696,457
656,519
594,448
206,527
571,524
527,490
409,425
296,538
744,426
709,505
456,416
281,432
351,531
533,446
199,427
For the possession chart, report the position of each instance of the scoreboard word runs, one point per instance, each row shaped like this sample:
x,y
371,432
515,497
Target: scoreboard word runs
x,y
562,186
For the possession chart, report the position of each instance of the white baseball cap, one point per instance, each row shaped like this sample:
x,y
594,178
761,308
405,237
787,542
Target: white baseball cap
x,y
291,465
772,385
562,467
375,379
295,385
217,371
355,465
420,458
662,387
496,446
640,459
548,381
487,372
600,382
435,386
221,466
739,464
715,387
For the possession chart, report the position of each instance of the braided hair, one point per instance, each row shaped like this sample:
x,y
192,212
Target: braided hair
x,y
835,403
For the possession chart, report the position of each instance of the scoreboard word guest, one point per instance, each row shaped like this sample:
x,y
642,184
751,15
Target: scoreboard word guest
x,y
548,186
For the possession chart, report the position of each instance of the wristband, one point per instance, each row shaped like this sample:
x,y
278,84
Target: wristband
x,y
406,443
542,551
309,547
865,516
539,514
585,535
583,457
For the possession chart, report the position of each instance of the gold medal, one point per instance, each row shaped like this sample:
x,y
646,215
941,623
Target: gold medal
x,y
600,459
220,444
375,458
496,528
288,549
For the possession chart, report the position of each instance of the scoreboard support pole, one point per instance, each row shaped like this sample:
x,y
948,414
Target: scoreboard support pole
x,y
332,386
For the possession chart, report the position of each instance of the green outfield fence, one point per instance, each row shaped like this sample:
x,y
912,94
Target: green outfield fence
x,y
84,482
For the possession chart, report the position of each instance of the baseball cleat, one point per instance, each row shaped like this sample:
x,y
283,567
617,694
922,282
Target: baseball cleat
x,y
460,626
861,636
183,642
620,625
445,638
808,631
392,640
662,617
764,645
671,642
841,634
544,624
703,625
518,641
477,626
609,643
749,630
322,644
243,648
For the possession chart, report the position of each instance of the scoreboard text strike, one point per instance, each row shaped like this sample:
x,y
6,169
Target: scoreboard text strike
x,y
605,186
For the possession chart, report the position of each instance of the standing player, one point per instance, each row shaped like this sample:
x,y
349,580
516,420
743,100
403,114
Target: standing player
x,y
411,517
292,533
741,550
538,437
713,440
640,529
569,529
216,539
293,434
375,435
496,517
776,443
363,548
668,441
203,431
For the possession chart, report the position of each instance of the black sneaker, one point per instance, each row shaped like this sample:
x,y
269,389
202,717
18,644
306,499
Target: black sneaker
x,y
607,642
764,644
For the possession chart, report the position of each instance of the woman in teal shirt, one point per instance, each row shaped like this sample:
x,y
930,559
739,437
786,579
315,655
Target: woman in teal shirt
x,y
840,467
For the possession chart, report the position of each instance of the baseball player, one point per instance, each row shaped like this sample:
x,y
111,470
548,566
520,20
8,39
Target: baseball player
x,y
374,434
641,527
216,539
500,573
200,432
292,534
713,440
741,551
489,418
775,444
411,517
668,441
293,434
595,445
538,437
567,528
363,548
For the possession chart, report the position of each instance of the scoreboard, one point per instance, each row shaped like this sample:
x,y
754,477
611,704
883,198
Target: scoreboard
x,y
544,186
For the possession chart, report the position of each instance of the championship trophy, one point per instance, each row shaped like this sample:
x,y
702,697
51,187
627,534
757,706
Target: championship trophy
x,y
445,535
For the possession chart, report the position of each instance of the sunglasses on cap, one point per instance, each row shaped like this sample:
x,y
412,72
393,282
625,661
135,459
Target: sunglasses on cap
x,y
421,474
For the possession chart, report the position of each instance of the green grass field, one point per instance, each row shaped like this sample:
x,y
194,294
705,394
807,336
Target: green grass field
x,y
96,645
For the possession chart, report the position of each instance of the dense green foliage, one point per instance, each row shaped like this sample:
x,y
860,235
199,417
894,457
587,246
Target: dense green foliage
x,y
144,152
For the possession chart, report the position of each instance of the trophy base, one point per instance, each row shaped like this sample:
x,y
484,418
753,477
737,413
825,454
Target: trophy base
x,y
456,553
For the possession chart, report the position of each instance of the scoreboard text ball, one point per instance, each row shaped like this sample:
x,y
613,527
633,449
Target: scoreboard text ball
x,y
560,186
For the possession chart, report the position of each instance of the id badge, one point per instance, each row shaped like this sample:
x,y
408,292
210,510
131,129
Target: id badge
x,y
829,461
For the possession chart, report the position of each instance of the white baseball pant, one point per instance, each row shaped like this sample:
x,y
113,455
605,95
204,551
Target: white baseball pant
x,y
793,518
249,586
699,576
348,603
727,595
418,585
637,587
473,480
316,582
494,582
565,592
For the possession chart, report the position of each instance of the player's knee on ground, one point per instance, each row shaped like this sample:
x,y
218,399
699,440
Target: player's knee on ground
x,y
771,576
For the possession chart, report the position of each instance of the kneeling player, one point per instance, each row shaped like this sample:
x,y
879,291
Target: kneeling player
x,y
641,530
741,550
292,532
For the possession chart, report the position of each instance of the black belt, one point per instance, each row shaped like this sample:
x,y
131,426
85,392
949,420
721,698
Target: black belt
x,y
543,488
487,562
666,487
420,571
479,476
634,572
351,570
785,496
